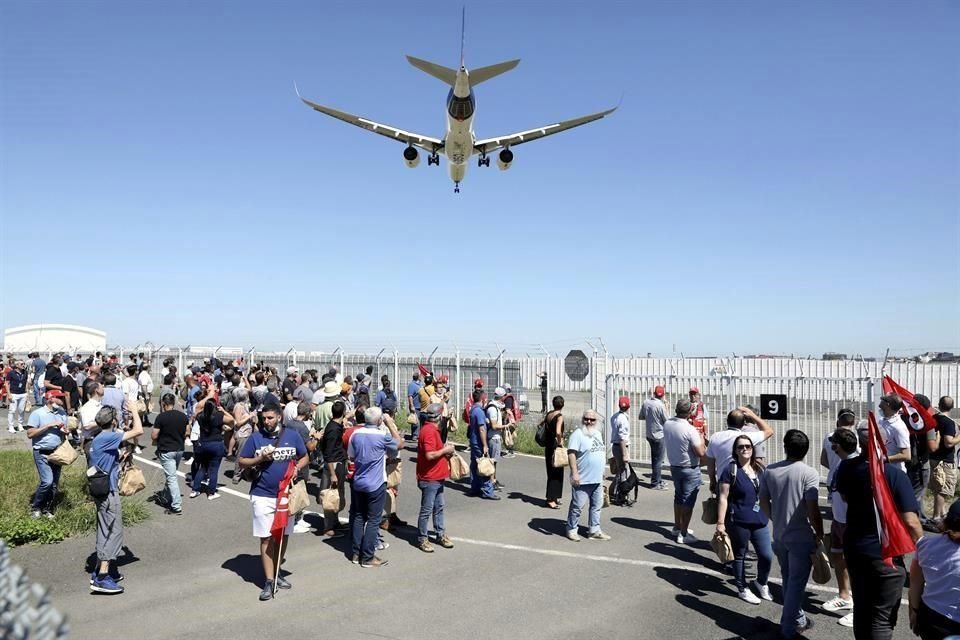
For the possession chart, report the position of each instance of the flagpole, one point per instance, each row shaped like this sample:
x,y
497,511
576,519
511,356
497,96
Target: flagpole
x,y
276,563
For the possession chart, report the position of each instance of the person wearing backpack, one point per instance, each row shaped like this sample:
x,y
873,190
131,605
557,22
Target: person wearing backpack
x,y
553,438
105,456
387,399
921,444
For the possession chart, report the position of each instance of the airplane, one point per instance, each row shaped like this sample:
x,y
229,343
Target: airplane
x,y
460,143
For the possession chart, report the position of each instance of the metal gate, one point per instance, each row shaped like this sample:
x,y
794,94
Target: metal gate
x,y
812,404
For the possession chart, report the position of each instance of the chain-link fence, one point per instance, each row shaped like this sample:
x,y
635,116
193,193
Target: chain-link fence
x,y
26,611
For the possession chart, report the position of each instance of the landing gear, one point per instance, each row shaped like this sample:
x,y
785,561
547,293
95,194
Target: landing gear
x,y
456,187
483,161
433,158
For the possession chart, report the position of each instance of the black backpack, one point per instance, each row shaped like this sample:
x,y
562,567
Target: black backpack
x,y
626,482
389,402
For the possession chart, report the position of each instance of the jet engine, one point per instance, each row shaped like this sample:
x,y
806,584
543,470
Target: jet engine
x,y
411,156
505,159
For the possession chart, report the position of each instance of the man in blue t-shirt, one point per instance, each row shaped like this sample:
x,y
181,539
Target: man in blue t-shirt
x,y
413,402
480,486
368,449
46,428
105,456
270,450
588,456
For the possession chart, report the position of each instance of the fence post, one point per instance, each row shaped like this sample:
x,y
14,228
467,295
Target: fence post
x,y
457,394
396,373
500,368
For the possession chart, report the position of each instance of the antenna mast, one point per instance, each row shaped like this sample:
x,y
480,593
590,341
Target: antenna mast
x,y
463,22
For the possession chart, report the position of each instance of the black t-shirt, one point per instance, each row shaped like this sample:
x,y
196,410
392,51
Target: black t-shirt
x,y
53,375
211,429
332,443
69,386
853,483
946,427
289,386
172,427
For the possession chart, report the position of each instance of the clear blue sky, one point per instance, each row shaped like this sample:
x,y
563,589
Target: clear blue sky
x,y
780,176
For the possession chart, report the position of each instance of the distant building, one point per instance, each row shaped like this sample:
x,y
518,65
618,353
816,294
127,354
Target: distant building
x,y
830,355
48,338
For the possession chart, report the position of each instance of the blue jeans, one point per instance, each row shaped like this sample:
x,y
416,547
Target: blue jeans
x,y
656,460
740,537
795,565
581,495
366,511
170,461
209,455
37,396
46,491
686,485
431,502
479,485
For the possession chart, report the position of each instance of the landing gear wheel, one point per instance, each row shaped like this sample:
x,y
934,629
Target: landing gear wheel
x,y
483,162
456,187
433,158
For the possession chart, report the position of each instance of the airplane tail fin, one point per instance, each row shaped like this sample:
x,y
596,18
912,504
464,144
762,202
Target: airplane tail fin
x,y
485,73
446,74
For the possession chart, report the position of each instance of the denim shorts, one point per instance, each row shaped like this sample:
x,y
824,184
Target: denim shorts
x,y
494,444
686,485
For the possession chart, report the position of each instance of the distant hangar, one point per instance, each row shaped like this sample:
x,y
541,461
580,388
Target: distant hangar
x,y
46,338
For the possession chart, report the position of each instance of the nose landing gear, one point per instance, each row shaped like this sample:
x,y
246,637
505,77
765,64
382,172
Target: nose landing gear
x,y
456,187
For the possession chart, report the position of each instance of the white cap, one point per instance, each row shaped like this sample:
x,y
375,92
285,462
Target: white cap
x,y
291,370
508,387
499,392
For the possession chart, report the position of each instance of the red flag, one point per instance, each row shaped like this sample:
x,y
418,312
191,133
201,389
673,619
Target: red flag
x,y
424,371
895,540
919,418
282,514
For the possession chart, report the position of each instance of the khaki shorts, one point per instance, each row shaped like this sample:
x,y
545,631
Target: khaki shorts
x,y
836,536
943,478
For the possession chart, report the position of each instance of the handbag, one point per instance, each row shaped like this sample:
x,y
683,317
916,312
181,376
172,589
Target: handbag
x,y
131,481
560,457
141,406
297,498
485,467
606,495
508,438
63,455
394,475
710,511
412,419
458,467
330,500
821,565
98,483
721,546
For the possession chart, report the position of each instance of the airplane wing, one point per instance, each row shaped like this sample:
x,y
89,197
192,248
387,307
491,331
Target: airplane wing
x,y
492,144
408,137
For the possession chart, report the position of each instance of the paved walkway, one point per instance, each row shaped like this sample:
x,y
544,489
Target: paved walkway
x,y
512,574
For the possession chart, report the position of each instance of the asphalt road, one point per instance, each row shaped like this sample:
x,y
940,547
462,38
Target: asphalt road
x,y
512,574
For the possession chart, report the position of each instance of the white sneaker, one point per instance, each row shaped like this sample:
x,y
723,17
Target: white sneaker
x,y
382,546
138,450
573,535
846,621
689,538
679,538
747,596
837,604
11,430
598,535
302,527
763,590
213,496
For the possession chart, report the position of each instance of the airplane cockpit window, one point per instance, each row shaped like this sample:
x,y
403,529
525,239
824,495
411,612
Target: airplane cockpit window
x,y
460,108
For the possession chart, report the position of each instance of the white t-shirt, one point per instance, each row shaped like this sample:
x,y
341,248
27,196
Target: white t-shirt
x,y
493,416
145,381
620,428
895,436
721,446
130,388
88,414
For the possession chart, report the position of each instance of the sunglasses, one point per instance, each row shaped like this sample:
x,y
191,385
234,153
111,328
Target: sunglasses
x,y
744,447
589,420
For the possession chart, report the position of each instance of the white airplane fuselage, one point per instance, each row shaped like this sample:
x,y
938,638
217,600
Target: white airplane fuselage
x,y
460,139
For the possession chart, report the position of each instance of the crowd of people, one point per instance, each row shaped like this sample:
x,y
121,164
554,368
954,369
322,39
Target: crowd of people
x,y
267,425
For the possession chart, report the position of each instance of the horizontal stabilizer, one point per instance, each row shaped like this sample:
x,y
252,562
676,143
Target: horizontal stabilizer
x,y
446,74
485,73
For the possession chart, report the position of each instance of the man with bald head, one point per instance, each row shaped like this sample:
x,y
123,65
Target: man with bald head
x,y
684,446
720,450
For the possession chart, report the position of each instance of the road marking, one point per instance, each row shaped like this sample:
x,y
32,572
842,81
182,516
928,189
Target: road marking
x,y
547,552
627,561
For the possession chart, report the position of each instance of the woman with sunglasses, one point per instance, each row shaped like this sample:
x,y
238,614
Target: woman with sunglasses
x,y
742,519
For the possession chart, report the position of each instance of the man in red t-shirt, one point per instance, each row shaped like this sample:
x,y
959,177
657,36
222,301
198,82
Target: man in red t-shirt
x,y
433,467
